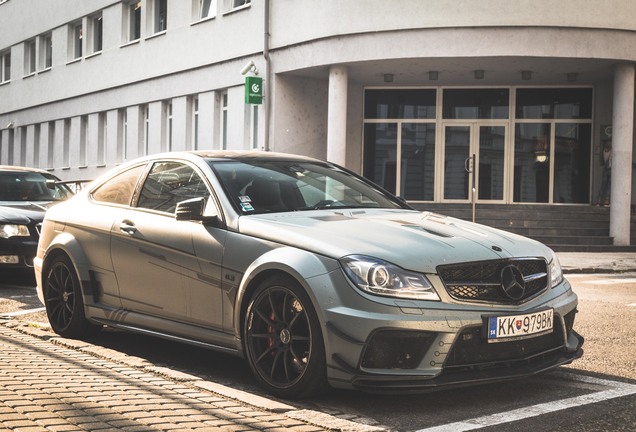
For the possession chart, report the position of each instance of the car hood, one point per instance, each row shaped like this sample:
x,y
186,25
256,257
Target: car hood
x,y
411,239
23,211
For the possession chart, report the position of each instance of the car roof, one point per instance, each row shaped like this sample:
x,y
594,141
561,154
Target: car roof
x,y
249,155
15,168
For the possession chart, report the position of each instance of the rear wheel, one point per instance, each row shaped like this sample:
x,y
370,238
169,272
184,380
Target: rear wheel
x,y
63,301
283,340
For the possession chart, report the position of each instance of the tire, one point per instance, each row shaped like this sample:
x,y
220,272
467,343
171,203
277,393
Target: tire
x,y
63,301
283,341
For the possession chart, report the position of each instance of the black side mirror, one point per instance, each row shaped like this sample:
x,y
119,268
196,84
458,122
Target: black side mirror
x,y
192,210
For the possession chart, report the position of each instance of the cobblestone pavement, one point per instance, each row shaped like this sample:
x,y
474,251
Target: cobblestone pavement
x,y
47,387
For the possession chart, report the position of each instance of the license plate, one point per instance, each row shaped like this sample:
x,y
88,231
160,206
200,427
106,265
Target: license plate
x,y
511,327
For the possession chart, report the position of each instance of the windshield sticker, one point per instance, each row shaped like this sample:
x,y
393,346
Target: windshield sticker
x,y
246,207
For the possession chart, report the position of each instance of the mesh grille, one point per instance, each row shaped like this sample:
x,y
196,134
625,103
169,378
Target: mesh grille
x,y
472,349
481,281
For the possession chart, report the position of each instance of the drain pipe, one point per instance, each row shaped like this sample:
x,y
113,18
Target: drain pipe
x,y
268,75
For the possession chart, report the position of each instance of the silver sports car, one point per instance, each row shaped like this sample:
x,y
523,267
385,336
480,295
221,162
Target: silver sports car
x,y
311,273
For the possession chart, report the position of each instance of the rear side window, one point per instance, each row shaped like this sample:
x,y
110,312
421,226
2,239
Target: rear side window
x,y
169,183
119,189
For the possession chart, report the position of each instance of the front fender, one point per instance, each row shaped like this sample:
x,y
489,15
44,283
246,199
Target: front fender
x,y
299,264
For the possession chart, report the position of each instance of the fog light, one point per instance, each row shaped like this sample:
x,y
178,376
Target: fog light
x,y
9,259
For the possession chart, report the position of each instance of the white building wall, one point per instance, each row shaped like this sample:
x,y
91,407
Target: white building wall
x,y
406,38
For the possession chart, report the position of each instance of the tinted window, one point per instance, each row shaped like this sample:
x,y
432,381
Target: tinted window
x,y
559,103
476,103
119,189
399,104
169,183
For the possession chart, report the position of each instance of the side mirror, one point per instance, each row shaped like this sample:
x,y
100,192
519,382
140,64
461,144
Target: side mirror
x,y
193,210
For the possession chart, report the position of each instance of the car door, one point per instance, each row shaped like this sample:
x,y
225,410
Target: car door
x,y
153,253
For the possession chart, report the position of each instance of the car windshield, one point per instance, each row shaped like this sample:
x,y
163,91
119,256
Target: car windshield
x,y
269,186
31,186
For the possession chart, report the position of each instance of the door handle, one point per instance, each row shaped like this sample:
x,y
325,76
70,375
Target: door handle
x,y
127,227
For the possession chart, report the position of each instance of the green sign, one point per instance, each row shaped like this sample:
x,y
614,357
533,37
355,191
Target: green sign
x,y
253,90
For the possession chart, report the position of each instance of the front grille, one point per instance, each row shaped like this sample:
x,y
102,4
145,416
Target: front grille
x,y
38,229
472,349
481,281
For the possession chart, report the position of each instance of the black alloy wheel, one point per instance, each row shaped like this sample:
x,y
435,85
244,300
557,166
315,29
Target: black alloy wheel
x,y
283,341
63,300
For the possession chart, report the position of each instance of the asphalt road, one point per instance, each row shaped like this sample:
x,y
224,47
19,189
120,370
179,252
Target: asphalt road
x,y
595,393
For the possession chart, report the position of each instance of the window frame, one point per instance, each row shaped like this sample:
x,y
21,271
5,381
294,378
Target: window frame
x,y
5,69
95,26
132,21
30,57
157,24
75,41
45,51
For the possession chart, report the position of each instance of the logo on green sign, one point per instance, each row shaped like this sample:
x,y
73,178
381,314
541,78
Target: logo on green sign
x,y
253,90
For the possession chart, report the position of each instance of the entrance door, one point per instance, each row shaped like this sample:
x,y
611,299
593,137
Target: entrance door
x,y
487,143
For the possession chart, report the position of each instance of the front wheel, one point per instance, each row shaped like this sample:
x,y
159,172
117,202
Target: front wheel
x,y
283,340
63,301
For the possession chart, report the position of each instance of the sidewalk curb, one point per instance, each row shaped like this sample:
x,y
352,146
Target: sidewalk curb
x,y
310,417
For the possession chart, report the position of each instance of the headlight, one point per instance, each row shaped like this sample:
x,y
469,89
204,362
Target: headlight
x,y
7,231
556,274
379,277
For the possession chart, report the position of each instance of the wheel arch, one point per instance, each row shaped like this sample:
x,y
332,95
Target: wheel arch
x,y
65,244
288,262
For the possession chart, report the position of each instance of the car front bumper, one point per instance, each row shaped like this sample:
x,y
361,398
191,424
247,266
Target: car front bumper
x,y
389,345
17,252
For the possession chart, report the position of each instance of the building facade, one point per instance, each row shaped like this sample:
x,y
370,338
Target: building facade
x,y
443,102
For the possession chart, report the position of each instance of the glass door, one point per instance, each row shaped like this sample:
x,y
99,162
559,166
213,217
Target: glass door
x,y
457,151
491,163
474,157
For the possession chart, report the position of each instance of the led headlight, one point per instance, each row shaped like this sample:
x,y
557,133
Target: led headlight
x,y
9,230
556,273
379,277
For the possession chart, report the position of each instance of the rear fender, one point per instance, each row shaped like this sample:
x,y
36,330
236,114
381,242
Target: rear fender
x,y
67,244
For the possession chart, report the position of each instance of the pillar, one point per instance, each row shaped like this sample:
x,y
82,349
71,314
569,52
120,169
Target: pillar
x,y
337,115
622,142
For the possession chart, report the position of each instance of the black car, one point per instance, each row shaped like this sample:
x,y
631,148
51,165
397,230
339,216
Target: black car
x,y
25,195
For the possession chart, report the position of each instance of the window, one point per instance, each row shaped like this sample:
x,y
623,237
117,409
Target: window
x,y
145,111
230,5
76,36
132,20
119,189
46,51
238,3
224,121
400,104
476,103
102,138
51,146
564,103
168,110
5,66
399,141
29,57
169,183
96,31
195,122
83,144
206,8
159,11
